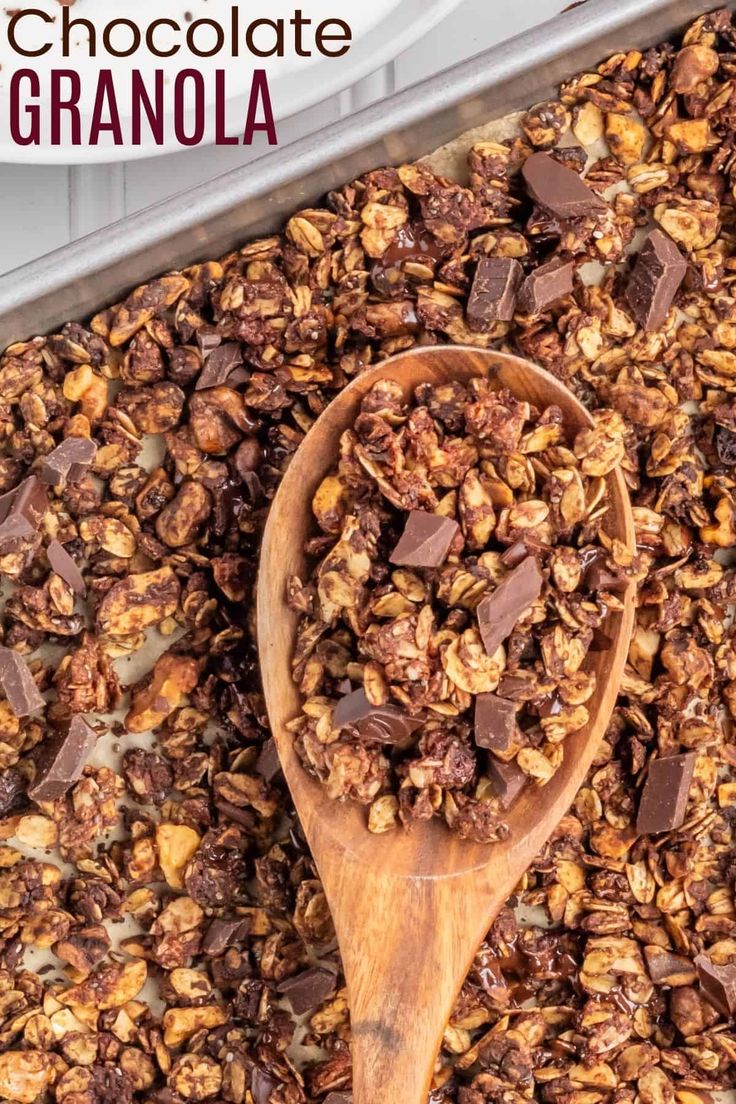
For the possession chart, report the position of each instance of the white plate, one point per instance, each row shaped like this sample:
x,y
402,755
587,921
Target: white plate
x,y
382,29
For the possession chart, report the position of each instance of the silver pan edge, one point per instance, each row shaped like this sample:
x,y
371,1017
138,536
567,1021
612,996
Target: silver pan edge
x,y
206,221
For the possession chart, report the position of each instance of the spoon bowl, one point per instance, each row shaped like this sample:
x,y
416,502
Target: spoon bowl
x,y
412,906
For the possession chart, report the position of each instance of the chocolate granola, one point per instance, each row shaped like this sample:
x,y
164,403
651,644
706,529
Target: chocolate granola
x,y
620,991
450,613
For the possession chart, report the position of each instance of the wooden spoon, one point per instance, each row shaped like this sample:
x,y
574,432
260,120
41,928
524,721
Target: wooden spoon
x,y
411,907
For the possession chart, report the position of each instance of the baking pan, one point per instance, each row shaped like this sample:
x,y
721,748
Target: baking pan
x,y
208,220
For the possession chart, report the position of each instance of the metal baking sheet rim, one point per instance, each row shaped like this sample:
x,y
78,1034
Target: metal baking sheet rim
x,y
206,221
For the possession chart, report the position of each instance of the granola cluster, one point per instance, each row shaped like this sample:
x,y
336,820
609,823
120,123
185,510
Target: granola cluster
x,y
463,575
163,935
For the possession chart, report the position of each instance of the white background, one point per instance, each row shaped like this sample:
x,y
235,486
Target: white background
x,y
44,207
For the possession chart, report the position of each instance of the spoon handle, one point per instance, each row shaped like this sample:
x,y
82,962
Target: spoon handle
x,y
406,946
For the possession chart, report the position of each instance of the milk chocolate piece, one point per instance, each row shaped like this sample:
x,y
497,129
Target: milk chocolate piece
x,y
495,723
262,1084
267,763
546,285
308,989
559,189
507,779
664,798
69,460
22,510
425,541
493,294
659,270
717,984
63,761
384,723
220,361
666,968
18,683
499,612
62,563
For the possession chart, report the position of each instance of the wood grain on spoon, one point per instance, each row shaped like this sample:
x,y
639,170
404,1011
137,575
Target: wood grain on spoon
x,y
411,907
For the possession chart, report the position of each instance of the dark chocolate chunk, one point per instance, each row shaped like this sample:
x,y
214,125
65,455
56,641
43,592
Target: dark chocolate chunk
x,y
499,611
559,189
18,683
493,294
69,460
664,798
659,270
717,984
507,779
666,968
308,989
234,812
495,722
515,554
207,339
22,510
545,285
219,363
62,563
221,934
383,723
550,705
425,541
726,445
267,763
597,575
262,1084
63,761
12,791
338,1098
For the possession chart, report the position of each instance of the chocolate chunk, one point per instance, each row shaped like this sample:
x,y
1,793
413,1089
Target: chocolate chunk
x,y
384,723
666,968
507,780
12,791
338,1098
267,763
717,984
550,705
22,510
495,723
559,189
597,575
308,989
221,934
493,294
664,798
499,612
62,563
262,1084
425,541
410,243
219,363
546,285
515,554
63,761
18,684
659,270
208,339
69,460
726,445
